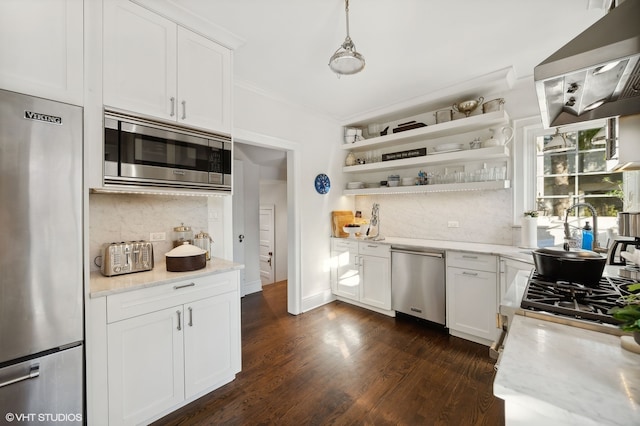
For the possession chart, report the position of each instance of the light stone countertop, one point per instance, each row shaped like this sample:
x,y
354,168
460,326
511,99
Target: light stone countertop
x,y
571,375
100,286
512,252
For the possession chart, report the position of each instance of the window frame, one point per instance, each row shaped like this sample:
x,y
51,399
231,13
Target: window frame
x,y
525,157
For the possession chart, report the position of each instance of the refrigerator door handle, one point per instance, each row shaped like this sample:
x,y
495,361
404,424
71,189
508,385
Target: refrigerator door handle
x,y
34,372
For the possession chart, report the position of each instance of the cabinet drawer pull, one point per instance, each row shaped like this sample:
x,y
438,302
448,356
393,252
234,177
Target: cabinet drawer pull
x,y
190,317
173,106
179,320
473,274
371,246
466,256
34,372
178,287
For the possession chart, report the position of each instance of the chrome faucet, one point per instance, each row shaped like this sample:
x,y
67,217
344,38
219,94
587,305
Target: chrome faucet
x,y
567,234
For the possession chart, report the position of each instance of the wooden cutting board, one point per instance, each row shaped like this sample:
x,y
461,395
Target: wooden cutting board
x,y
339,218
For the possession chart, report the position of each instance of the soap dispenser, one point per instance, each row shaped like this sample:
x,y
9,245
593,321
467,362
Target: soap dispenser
x,y
587,237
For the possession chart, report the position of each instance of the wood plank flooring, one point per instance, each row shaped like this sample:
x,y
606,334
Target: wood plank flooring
x,y
343,365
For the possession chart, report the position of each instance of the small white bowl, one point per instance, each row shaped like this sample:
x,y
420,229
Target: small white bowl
x,y
393,182
407,181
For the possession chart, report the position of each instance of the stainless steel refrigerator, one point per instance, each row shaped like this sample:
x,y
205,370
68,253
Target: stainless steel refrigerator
x,y
41,291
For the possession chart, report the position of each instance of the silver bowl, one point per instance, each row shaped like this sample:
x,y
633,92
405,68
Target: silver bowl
x,y
467,107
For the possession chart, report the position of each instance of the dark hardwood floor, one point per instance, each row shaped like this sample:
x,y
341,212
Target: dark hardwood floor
x,y
343,365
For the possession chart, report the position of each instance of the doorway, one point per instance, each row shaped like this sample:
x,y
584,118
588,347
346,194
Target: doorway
x,y
261,223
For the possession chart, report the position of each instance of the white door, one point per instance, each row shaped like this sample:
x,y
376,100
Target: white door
x,y
146,365
238,217
267,246
41,49
211,346
204,86
140,51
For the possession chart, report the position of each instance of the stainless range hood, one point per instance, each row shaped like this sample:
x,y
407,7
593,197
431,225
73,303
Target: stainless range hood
x,y
595,75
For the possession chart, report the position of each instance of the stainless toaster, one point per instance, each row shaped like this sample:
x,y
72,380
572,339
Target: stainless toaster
x,y
127,257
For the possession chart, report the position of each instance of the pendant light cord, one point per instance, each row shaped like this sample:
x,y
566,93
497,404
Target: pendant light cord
x,y
346,9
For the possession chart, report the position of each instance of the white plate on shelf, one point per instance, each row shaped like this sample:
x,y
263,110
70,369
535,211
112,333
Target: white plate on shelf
x,y
448,147
443,152
355,185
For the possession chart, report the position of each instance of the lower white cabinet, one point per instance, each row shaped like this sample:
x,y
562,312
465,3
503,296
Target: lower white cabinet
x,y
167,345
375,268
472,296
361,273
509,268
145,366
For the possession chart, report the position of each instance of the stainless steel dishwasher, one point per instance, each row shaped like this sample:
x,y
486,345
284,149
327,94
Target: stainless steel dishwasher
x,y
417,282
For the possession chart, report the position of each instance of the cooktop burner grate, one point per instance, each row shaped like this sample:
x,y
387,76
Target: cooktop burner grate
x,y
574,299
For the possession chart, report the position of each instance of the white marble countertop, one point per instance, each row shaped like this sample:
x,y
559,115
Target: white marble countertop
x,y
100,286
571,375
513,252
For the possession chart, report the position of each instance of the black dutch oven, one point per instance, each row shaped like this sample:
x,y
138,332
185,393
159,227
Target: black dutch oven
x,y
579,266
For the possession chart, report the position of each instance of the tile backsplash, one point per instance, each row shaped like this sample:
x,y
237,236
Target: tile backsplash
x,y
482,216
130,217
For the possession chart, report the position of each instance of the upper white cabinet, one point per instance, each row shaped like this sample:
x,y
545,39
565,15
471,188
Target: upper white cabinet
x,y
41,48
154,67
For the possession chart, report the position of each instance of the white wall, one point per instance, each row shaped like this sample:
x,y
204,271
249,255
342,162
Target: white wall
x,y
275,193
317,139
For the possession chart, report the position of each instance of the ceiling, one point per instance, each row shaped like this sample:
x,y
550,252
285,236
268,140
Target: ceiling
x,y
412,47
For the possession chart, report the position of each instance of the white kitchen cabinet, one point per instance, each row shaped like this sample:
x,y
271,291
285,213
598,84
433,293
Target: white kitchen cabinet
x,y
211,343
345,272
169,344
375,268
146,366
154,67
472,301
41,52
361,273
509,268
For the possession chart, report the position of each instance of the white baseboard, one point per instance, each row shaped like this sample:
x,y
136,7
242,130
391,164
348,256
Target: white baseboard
x,y
312,302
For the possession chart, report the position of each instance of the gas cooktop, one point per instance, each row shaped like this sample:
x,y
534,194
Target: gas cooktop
x,y
575,304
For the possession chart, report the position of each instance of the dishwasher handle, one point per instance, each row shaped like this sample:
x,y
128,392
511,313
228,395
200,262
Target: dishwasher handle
x,y
419,253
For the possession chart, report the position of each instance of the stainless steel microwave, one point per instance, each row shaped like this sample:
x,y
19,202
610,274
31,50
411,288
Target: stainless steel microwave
x,y
140,152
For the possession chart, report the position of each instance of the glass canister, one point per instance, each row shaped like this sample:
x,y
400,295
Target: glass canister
x,y
182,234
203,241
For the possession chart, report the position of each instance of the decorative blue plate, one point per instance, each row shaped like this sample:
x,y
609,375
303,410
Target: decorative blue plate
x,y
323,184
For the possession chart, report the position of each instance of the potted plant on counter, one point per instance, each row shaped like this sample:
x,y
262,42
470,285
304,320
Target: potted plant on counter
x,y
629,314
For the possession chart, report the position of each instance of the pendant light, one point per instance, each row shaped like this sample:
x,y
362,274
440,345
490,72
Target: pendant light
x,y
346,60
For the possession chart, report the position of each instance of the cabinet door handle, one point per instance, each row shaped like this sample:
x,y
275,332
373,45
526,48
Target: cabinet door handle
x,y
184,110
34,371
173,106
179,320
178,287
190,317
473,274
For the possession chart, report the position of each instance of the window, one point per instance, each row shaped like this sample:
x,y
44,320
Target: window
x,y
571,168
